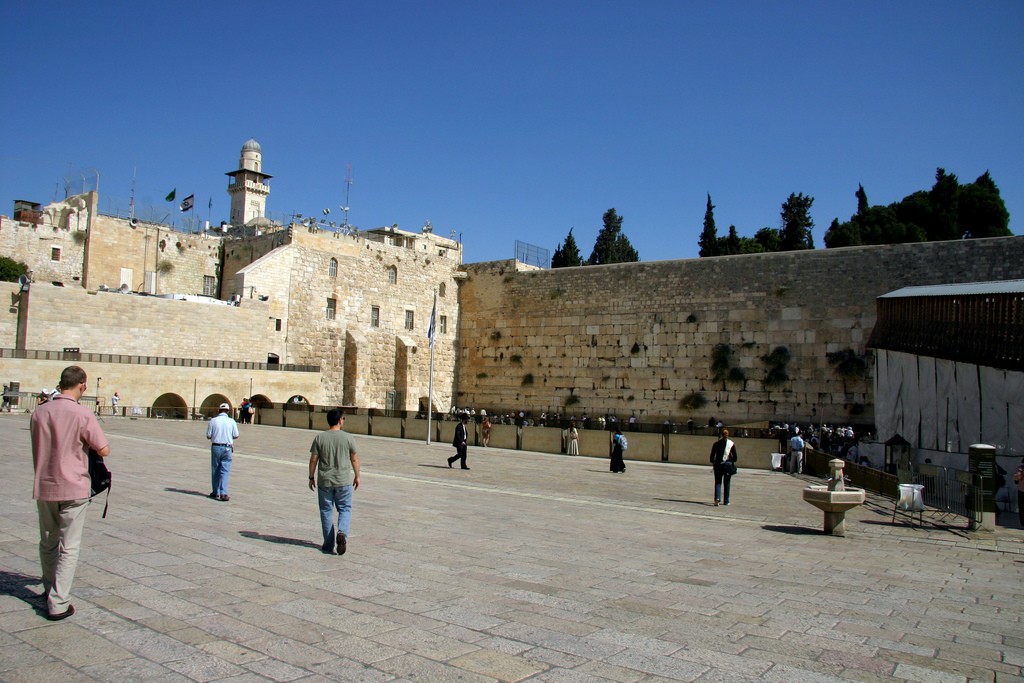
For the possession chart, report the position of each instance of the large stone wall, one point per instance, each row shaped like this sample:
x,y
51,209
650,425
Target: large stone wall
x,y
640,338
105,322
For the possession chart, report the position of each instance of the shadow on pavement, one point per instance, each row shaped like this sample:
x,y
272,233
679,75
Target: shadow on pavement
x,y
188,492
793,530
283,540
16,585
687,502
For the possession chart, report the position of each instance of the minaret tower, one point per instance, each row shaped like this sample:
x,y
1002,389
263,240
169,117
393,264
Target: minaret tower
x,y
248,187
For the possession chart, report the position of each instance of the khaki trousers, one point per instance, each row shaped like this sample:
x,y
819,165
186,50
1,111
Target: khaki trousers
x,y
60,538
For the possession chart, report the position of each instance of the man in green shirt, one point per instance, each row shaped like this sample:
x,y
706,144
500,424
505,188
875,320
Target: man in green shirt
x,y
334,475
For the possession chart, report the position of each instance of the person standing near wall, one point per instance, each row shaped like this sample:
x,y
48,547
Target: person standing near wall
x,y
222,432
63,432
723,462
796,453
334,475
573,447
461,442
485,429
618,464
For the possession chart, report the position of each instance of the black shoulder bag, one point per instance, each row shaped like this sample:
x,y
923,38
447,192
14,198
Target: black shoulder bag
x,y
100,476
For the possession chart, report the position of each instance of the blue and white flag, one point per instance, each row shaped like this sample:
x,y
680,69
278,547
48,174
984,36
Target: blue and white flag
x,y
187,202
432,329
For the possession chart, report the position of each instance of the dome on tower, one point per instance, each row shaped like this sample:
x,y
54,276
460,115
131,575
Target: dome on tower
x,y
251,146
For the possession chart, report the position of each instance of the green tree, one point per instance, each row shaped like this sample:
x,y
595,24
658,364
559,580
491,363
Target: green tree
x,y
611,246
796,223
981,211
862,200
567,255
768,238
731,244
11,270
708,241
944,200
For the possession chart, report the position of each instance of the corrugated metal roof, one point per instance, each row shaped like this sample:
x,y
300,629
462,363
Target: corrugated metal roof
x,y
960,289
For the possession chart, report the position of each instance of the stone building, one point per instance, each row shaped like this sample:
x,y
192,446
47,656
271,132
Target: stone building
x,y
340,316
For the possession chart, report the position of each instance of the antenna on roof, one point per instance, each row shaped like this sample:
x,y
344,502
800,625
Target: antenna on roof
x,y
348,189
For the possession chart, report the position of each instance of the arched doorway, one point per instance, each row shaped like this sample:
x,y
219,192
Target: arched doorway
x,y
211,405
297,399
261,401
170,406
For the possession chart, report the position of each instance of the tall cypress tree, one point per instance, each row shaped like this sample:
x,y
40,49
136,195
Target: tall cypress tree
x,y
611,246
708,241
567,254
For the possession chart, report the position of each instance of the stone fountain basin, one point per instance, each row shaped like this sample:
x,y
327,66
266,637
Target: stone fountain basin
x,y
820,497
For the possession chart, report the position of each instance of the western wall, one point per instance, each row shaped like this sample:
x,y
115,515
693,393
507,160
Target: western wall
x,y
640,339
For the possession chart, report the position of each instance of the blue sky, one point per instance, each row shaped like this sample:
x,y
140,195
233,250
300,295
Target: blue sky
x,y
517,120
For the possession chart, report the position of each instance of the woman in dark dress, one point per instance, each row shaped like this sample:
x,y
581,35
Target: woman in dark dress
x,y
618,445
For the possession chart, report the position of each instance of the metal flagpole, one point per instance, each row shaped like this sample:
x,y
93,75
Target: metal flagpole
x,y
430,380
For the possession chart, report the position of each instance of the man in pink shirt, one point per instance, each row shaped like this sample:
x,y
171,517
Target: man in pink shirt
x,y
62,434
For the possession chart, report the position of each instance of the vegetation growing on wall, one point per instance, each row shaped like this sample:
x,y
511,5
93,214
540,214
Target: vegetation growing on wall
x,y
723,367
528,379
693,401
775,364
848,366
11,270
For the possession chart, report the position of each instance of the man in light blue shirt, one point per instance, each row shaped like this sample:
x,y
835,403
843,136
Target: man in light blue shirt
x,y
222,431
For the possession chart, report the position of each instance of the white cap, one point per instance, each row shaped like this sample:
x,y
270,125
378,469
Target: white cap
x,y
225,406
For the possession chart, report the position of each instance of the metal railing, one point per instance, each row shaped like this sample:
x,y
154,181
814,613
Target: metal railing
x,y
947,491
84,357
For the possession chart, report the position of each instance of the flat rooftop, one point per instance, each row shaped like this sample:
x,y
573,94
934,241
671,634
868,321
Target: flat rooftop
x,y
528,567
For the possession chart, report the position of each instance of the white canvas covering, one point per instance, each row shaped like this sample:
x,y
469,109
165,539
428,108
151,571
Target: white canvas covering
x,y
938,404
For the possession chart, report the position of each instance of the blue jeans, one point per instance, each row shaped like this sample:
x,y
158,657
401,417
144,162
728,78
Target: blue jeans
x,y
331,498
719,477
220,468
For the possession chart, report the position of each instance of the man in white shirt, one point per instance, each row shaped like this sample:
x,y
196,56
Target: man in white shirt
x,y
222,432
796,454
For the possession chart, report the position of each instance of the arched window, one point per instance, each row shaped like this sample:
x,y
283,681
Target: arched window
x,y
440,289
332,268
393,275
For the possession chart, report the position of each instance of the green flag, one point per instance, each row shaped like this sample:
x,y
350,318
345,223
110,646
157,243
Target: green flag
x,y
170,197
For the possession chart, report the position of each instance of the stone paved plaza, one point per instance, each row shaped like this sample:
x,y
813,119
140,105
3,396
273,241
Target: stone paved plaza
x,y
528,567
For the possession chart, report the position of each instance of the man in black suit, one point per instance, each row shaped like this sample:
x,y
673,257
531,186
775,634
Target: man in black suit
x,y
461,442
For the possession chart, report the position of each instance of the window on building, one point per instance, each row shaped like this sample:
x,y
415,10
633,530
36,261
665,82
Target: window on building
x,y
444,324
277,324
332,308
374,316
410,320
441,289
393,275
209,285
55,253
332,268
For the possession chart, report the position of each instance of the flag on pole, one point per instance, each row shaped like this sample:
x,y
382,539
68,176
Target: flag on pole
x,y
170,196
187,202
210,205
432,329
